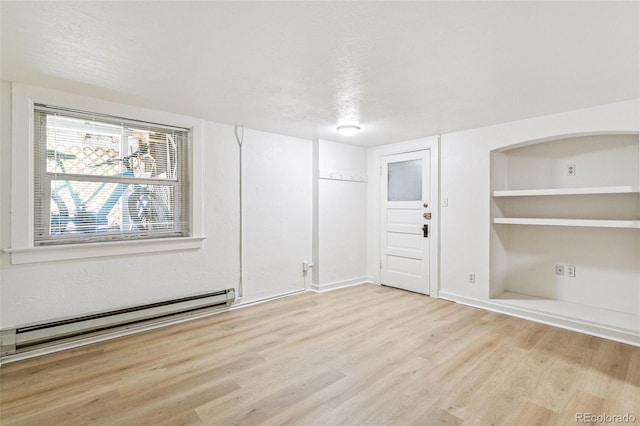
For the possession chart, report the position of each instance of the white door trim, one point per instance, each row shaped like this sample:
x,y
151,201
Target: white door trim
x,y
375,205
407,225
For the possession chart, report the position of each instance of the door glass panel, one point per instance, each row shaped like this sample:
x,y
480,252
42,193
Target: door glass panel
x,y
405,181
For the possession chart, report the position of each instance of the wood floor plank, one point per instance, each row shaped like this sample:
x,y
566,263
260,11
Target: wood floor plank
x,y
360,355
583,402
630,397
557,385
271,403
483,390
609,369
559,343
535,415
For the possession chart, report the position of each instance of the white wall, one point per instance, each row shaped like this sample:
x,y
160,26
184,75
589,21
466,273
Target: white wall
x,y
5,171
277,204
465,182
342,212
277,236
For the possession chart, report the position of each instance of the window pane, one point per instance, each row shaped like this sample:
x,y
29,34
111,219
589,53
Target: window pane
x,y
80,207
88,147
105,178
405,181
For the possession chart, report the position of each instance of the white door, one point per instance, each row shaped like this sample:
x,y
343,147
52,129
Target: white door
x,y
406,207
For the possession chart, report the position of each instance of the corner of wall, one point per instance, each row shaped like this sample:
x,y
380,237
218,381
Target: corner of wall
x,y
315,245
5,178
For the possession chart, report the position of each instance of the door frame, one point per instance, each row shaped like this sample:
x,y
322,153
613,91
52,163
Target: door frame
x,y
375,206
385,160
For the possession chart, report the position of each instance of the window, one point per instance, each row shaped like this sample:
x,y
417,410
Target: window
x,y
92,184
104,178
404,181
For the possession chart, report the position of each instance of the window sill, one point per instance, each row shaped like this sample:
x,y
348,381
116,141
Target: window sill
x,y
83,251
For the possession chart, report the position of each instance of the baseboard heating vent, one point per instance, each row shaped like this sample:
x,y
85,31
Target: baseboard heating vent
x,y
28,336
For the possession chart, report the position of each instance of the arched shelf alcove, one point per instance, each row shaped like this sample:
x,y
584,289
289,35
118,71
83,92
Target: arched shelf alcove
x,y
565,231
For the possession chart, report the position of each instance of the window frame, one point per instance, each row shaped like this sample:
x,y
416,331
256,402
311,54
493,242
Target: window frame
x,y
44,177
23,248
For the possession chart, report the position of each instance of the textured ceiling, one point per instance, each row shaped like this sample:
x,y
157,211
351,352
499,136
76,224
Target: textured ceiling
x,y
399,70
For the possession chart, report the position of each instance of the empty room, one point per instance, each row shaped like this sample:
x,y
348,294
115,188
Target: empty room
x,y
319,213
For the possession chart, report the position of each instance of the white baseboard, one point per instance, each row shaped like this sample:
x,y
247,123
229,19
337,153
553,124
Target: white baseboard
x,y
319,288
264,296
593,329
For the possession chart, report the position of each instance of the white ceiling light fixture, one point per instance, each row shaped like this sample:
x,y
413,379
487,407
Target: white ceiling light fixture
x,y
348,129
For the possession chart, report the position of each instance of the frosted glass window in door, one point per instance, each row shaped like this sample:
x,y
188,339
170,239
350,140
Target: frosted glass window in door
x,y
405,181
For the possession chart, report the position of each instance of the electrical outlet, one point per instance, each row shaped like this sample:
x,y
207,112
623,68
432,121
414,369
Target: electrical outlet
x,y
471,278
445,202
571,271
559,269
571,169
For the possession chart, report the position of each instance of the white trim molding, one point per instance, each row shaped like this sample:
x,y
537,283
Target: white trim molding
x,y
100,249
594,329
319,288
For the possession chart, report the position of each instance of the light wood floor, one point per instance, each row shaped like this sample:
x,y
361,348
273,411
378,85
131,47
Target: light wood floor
x,y
362,355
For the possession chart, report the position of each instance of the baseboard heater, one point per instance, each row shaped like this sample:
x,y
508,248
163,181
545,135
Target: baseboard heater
x,y
37,335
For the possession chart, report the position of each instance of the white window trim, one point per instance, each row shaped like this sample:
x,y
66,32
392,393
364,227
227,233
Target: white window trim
x,y
22,176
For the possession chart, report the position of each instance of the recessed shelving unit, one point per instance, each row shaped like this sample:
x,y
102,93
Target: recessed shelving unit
x,y
570,201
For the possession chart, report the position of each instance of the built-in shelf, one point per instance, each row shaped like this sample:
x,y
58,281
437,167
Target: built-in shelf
x,y
625,189
559,308
588,223
568,201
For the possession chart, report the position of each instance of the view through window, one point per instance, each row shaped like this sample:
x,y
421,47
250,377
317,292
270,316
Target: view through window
x,y
104,178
